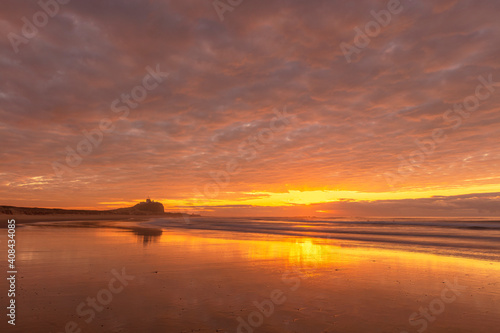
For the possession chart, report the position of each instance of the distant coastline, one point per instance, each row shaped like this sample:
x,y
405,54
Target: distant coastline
x,y
33,214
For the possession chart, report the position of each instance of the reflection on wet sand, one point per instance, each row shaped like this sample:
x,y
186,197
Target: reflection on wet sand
x,y
145,235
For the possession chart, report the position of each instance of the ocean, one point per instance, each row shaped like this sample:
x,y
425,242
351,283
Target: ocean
x,y
479,238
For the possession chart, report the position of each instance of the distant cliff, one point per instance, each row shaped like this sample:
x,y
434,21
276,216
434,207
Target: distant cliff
x,y
142,208
149,207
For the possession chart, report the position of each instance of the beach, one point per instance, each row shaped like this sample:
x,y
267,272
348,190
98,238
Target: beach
x,y
144,276
236,166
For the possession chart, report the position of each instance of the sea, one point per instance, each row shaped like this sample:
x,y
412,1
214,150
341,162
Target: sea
x,y
465,237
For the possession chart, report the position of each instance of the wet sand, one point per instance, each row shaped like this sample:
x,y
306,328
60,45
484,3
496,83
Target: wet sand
x,y
23,219
149,280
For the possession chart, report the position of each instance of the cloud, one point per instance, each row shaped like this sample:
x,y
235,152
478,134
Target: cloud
x,y
480,204
351,121
470,205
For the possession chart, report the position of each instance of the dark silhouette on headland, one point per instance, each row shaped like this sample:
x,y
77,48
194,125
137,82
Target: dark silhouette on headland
x,y
148,207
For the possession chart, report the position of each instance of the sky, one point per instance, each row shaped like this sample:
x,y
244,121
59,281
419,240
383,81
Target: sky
x,y
262,108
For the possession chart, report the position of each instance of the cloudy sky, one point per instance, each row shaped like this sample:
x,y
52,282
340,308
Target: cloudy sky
x,y
259,107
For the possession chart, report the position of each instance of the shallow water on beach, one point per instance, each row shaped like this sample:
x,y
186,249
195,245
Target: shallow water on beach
x,y
216,281
478,238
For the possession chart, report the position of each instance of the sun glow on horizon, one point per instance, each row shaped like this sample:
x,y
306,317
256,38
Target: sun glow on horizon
x,y
297,197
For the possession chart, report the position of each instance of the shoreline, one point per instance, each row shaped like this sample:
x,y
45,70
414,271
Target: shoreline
x,y
147,225
23,219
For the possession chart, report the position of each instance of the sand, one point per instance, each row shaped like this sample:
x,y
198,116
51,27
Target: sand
x,y
23,219
208,281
